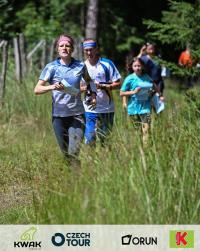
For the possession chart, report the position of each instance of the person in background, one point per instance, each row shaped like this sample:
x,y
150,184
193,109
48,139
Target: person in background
x,y
107,78
185,60
138,88
147,55
64,76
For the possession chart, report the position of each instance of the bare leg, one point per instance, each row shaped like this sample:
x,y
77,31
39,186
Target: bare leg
x,y
145,133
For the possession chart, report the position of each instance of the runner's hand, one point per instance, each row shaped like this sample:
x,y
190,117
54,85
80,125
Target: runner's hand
x,y
137,89
57,86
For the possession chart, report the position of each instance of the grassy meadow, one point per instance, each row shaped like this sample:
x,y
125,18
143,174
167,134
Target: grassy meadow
x,y
121,183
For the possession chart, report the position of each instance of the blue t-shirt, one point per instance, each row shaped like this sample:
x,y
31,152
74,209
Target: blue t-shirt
x,y
138,103
64,104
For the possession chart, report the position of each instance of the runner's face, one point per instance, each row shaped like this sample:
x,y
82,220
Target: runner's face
x,y
150,49
137,67
90,53
65,49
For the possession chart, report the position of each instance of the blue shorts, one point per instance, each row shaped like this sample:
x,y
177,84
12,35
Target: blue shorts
x,y
97,123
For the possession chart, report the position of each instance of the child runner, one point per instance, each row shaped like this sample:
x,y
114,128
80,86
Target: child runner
x,y
138,87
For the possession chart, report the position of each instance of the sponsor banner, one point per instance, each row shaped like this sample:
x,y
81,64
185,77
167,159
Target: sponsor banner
x,y
100,237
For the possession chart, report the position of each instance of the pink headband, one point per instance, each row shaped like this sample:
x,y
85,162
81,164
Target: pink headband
x,y
65,39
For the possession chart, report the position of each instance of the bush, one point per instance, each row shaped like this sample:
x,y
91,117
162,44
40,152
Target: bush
x,y
192,98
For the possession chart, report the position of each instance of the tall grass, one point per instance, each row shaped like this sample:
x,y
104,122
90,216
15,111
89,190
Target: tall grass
x,y
120,183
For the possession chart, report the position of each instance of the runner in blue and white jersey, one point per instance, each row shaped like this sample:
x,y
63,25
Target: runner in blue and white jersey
x,y
107,78
64,76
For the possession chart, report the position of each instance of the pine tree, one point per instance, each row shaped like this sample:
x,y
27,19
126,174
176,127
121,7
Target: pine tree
x,y
179,26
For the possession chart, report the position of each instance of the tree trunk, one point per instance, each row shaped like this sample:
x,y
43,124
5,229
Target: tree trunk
x,y
92,17
78,52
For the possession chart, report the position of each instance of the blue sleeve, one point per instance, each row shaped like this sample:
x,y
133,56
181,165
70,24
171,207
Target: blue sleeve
x,y
47,73
144,59
127,86
114,73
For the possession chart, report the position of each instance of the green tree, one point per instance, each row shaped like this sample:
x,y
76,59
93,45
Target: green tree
x,y
179,26
117,37
40,19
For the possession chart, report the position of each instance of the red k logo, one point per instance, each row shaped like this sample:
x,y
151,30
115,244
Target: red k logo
x,y
180,238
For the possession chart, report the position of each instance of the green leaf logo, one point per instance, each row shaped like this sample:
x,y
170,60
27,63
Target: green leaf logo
x,y
28,235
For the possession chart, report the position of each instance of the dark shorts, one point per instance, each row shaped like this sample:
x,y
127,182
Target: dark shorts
x,y
141,118
69,133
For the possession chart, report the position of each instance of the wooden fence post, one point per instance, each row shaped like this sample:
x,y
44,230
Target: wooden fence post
x,y
32,52
44,54
3,71
52,50
22,54
18,70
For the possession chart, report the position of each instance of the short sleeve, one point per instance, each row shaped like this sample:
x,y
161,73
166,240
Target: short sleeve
x,y
114,73
126,86
111,72
47,73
